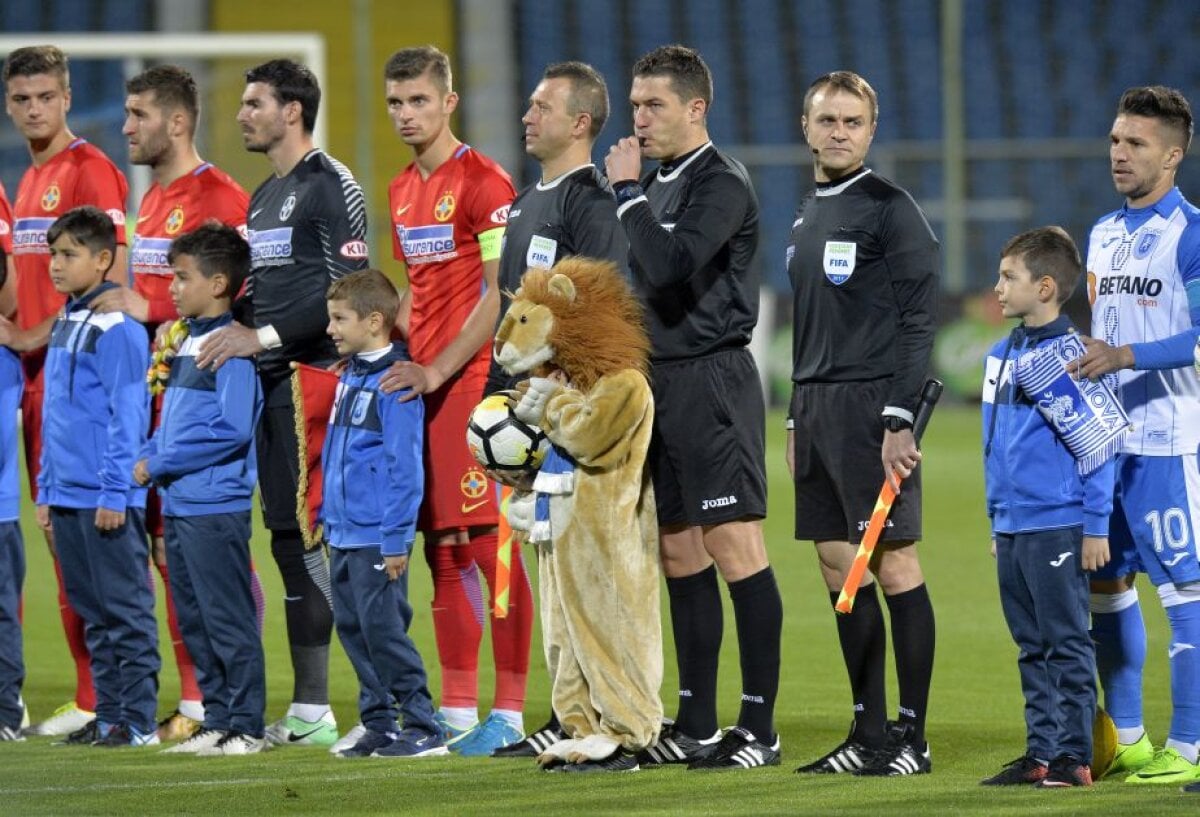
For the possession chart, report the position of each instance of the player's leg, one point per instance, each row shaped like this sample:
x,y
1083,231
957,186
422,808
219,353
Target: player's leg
x,y
12,665
1119,634
697,616
305,575
724,483
76,713
912,624
1020,614
1162,506
459,497
823,516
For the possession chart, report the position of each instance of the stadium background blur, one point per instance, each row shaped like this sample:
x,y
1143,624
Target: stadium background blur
x,y
993,114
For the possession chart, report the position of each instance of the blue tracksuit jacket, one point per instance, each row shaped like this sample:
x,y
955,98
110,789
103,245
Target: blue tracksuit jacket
x,y
1031,480
372,465
202,455
96,408
11,380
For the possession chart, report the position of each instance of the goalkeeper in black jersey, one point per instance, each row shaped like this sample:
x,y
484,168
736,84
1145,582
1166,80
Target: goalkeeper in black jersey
x,y
863,265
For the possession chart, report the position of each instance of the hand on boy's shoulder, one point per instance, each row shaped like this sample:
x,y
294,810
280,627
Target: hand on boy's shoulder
x,y
123,299
1100,359
407,374
141,472
231,340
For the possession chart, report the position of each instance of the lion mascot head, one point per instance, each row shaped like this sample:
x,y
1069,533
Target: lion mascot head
x,y
580,317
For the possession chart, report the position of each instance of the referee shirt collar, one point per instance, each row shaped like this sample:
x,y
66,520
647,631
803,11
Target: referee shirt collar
x,y
669,171
833,188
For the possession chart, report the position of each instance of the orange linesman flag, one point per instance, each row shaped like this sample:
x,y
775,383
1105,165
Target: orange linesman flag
x,y
313,390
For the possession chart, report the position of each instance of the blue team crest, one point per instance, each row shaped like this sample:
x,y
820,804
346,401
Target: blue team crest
x,y
1146,244
362,404
839,261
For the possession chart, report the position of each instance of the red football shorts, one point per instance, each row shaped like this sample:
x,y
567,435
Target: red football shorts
x,y
457,493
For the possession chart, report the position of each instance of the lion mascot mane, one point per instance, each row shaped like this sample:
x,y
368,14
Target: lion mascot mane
x,y
580,326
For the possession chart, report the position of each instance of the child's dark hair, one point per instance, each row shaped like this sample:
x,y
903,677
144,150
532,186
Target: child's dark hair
x,y
87,225
218,250
367,291
1048,251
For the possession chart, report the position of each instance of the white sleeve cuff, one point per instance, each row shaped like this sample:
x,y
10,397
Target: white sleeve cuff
x,y
896,411
621,210
268,337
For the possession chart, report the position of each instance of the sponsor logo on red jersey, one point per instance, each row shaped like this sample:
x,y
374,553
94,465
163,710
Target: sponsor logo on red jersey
x,y
500,215
444,209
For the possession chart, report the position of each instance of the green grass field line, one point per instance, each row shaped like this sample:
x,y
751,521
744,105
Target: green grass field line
x,y
975,723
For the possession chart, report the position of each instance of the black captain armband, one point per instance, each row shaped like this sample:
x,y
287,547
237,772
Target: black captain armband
x,y
627,190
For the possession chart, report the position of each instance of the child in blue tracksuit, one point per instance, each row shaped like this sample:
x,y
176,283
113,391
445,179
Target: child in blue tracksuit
x,y
202,459
373,481
96,409
12,549
1049,523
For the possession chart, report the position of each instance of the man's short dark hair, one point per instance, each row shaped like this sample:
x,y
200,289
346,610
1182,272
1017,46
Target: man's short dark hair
x,y
847,81
589,94
38,59
1047,251
218,250
367,291
410,63
87,226
1167,105
689,75
174,89
290,82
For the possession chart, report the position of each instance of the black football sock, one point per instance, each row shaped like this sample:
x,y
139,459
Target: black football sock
x,y
698,621
758,612
864,643
912,639
309,614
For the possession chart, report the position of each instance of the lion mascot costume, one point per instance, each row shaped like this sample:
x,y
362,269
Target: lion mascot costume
x,y
577,328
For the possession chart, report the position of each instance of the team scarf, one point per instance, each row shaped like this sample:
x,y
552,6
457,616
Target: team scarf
x,y
1085,414
555,477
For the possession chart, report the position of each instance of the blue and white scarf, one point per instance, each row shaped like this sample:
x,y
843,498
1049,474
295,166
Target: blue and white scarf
x,y
555,477
1085,414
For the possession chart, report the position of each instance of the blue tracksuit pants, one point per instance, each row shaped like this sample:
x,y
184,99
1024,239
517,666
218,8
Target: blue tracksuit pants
x,y
209,560
1044,594
107,581
372,615
12,665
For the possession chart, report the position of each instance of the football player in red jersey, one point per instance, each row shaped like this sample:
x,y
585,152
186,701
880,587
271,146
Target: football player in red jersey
x,y
8,288
162,110
66,172
449,208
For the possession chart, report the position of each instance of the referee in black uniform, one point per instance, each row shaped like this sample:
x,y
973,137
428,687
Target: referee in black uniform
x,y
568,211
863,264
692,226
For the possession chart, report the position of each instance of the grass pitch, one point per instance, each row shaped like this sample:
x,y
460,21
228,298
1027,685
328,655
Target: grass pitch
x,y
975,723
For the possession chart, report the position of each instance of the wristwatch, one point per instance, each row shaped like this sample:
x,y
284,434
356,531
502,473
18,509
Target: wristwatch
x,y
893,423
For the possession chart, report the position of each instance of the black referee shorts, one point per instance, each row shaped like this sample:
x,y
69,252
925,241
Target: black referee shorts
x,y
707,454
278,458
839,436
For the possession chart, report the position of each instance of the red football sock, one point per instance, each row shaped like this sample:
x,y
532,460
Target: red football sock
x,y
511,634
189,690
85,693
457,621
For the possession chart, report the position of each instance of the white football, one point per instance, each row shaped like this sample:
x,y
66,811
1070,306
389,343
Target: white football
x,y
501,442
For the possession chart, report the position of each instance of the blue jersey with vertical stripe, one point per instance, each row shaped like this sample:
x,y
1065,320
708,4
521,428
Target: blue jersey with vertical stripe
x,y
1141,264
